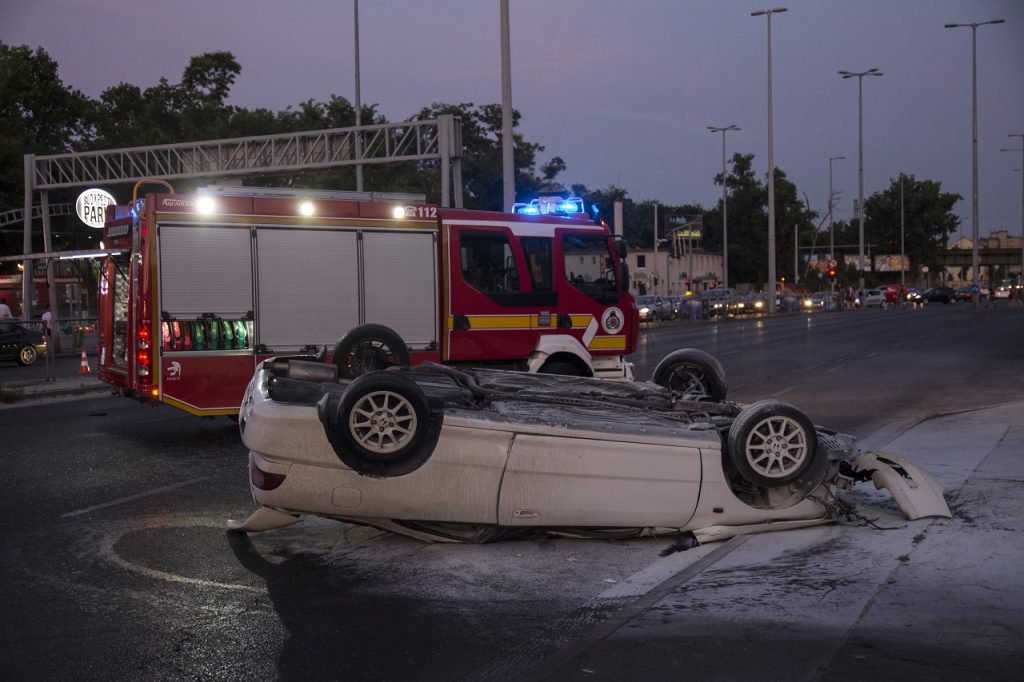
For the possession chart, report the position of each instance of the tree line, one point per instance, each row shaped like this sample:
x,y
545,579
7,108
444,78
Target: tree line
x,y
39,114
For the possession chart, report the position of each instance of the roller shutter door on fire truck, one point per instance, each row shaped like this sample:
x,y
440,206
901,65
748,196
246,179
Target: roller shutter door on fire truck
x,y
315,285
205,270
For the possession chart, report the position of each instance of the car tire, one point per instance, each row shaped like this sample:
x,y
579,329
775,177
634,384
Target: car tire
x,y
368,348
690,370
381,425
772,443
26,356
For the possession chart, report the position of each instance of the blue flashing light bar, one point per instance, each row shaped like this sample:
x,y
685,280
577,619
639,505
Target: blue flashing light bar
x,y
550,206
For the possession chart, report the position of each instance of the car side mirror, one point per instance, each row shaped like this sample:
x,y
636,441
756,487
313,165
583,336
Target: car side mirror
x,y
624,276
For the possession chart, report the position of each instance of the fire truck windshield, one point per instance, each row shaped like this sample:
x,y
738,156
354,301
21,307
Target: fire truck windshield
x,y
589,266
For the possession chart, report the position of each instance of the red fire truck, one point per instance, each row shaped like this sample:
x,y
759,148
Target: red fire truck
x,y
200,288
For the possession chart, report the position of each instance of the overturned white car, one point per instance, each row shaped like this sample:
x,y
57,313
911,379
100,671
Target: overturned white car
x,y
477,455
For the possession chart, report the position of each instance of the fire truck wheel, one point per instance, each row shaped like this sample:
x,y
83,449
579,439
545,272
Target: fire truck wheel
x,y
382,425
564,367
772,443
689,370
26,356
367,348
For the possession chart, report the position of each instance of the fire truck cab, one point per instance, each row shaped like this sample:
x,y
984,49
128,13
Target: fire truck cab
x,y
207,285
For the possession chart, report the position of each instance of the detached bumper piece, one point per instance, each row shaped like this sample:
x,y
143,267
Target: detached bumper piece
x,y
916,491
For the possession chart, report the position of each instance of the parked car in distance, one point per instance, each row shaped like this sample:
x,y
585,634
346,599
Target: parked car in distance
x,y
821,300
915,297
945,295
964,293
720,301
653,308
756,303
20,344
873,298
1002,291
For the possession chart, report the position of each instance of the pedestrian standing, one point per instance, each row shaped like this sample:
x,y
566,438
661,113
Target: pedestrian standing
x,y
47,322
5,311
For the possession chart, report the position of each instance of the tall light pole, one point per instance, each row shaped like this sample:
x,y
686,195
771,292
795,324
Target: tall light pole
x,y
975,269
359,105
831,230
903,270
508,166
725,232
771,163
1021,150
859,75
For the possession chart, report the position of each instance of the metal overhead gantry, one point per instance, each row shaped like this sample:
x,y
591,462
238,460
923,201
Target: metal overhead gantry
x,y
435,139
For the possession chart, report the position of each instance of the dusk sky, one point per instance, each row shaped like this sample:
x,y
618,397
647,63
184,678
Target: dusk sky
x,y
621,90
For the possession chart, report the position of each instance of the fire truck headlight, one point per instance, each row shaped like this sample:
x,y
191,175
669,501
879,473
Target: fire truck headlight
x,y
398,212
306,208
205,205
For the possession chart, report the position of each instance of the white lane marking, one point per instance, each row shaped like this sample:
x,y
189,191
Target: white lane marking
x,y
729,352
138,496
871,354
783,391
837,367
108,551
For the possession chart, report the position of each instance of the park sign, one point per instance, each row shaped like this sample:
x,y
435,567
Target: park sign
x,y
91,206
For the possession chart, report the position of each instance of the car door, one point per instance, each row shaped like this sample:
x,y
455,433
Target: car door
x,y
578,478
8,340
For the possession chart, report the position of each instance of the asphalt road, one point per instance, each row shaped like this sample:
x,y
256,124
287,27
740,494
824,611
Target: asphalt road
x,y
115,565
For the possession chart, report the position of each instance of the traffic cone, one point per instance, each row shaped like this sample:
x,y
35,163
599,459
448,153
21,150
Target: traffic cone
x,y
83,368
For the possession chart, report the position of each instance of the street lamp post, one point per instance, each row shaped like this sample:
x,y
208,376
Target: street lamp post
x,y
903,270
831,228
1021,150
725,233
859,75
358,102
508,166
975,269
771,163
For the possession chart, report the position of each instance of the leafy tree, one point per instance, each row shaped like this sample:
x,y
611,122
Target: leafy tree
x,y
481,156
748,224
194,109
38,115
928,220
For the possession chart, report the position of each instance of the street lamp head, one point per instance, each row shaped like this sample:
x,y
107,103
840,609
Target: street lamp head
x,y
977,24
762,12
860,74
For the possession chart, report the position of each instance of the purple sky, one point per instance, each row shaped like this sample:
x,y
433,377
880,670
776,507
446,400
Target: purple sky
x,y
622,91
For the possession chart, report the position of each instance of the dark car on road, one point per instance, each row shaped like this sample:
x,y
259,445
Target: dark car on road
x,y
20,344
940,295
964,293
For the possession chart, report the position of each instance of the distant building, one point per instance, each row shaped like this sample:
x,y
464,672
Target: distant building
x,y
669,273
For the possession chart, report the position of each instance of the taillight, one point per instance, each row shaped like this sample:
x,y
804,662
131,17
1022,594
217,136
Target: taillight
x,y
264,480
143,357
